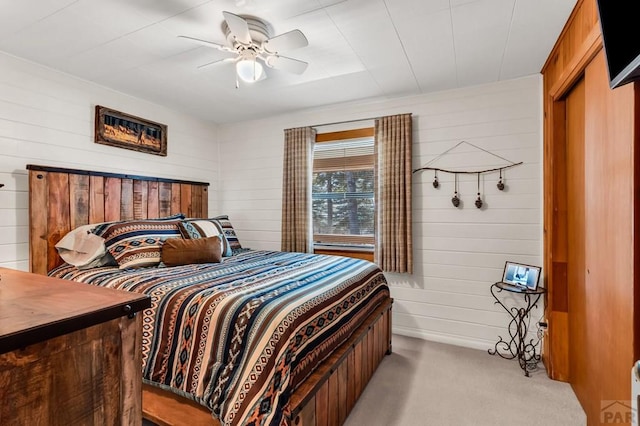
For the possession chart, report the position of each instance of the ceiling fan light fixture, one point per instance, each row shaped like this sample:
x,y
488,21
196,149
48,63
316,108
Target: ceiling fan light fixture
x,y
249,39
249,70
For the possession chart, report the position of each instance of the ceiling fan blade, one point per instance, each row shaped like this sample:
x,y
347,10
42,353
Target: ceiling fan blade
x,y
287,41
286,64
217,62
218,46
238,27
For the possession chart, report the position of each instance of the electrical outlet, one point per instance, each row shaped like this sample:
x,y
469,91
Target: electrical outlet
x,y
542,328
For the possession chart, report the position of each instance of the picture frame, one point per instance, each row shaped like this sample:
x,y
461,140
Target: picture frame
x,y
521,275
115,128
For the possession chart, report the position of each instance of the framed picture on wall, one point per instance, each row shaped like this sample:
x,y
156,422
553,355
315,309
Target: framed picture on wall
x,y
115,128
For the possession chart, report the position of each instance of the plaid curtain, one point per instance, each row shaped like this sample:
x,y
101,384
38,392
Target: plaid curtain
x,y
296,190
394,244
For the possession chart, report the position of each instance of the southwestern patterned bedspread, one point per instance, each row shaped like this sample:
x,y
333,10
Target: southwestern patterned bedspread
x,y
240,336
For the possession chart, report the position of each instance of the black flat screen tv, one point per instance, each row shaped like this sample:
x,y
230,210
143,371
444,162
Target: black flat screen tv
x,y
621,40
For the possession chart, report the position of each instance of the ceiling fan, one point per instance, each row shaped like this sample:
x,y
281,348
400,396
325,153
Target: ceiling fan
x,y
250,40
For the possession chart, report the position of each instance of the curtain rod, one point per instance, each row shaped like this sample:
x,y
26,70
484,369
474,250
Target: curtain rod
x,y
352,121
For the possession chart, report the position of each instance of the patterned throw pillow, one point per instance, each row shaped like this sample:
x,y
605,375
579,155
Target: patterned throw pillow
x,y
228,231
204,228
138,243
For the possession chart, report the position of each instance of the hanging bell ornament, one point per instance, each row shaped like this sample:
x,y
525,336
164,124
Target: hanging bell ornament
x,y
500,183
435,182
479,201
455,200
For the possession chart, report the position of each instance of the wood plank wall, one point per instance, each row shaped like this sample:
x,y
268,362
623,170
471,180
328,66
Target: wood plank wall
x,y
46,117
458,253
62,200
593,289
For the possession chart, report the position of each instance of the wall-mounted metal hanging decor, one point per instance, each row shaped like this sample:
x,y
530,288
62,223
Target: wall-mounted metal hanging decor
x,y
456,199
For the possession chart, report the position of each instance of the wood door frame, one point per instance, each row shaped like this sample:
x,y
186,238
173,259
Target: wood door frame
x,y
556,348
612,220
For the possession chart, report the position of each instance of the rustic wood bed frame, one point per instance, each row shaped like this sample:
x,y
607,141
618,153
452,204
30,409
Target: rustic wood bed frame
x,y
63,199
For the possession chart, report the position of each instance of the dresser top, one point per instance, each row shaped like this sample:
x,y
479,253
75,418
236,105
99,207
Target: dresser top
x,y
34,308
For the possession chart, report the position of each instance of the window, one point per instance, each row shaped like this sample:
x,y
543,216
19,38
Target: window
x,y
343,188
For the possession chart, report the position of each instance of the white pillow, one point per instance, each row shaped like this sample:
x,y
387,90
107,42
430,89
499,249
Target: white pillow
x,y
81,248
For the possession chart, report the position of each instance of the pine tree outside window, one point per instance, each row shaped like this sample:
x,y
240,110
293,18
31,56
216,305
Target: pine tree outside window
x,y
343,189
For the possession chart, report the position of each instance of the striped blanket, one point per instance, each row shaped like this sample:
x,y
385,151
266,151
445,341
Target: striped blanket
x,y
238,337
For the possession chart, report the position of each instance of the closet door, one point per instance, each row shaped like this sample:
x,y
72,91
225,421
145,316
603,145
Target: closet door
x,y
612,280
575,146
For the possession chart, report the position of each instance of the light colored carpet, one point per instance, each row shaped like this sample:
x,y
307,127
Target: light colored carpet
x,y
428,383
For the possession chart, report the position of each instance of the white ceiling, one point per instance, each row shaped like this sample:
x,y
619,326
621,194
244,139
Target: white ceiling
x,y
357,48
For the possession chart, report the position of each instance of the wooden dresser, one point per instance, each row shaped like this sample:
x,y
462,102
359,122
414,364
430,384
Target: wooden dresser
x,y
70,353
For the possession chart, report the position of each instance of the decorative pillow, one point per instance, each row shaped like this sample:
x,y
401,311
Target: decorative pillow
x,y
106,260
99,228
228,231
83,249
177,251
138,243
203,228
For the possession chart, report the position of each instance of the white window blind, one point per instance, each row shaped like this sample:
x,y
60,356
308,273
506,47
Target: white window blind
x,y
343,192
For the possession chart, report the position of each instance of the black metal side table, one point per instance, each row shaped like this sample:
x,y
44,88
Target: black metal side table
x,y
517,346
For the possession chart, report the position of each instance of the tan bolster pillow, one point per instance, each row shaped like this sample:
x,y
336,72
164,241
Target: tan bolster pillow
x,y
176,251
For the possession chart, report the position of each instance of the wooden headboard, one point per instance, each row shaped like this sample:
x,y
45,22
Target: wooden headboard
x,y
63,199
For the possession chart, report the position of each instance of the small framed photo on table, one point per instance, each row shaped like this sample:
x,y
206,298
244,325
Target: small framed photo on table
x,y
521,275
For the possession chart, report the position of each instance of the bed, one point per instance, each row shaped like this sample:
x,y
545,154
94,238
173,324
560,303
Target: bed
x,y
260,338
